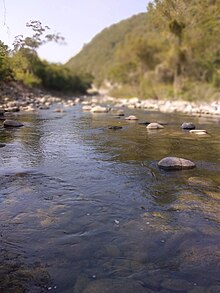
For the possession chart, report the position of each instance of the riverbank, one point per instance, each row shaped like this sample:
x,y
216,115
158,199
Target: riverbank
x,y
15,97
167,106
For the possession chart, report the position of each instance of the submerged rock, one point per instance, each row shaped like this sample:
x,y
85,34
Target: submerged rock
x,y
198,131
2,145
12,123
201,182
154,125
131,117
188,125
175,163
115,127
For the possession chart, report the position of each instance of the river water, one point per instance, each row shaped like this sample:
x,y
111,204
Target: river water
x,y
85,209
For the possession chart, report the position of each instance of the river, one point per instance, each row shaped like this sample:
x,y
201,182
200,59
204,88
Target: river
x,y
85,209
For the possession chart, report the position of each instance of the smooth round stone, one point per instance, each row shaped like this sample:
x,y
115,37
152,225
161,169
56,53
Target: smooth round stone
x,y
99,109
154,125
198,131
175,163
131,117
188,125
12,123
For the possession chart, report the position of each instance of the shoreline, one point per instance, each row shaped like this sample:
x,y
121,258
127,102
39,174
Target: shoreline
x,y
15,97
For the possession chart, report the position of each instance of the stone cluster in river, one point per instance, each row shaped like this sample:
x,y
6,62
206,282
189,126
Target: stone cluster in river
x,y
33,102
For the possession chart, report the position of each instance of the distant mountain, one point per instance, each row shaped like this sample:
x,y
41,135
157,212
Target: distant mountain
x,y
100,55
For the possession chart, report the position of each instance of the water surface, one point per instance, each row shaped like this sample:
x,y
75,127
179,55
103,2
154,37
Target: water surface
x,y
85,209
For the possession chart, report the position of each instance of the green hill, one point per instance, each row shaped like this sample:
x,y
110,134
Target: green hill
x,y
99,55
172,50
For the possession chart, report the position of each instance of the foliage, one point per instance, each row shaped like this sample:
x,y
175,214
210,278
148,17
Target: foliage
x,y
59,78
171,47
39,37
24,65
5,66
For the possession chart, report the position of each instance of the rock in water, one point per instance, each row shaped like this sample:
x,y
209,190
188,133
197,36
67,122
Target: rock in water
x,y
175,163
188,125
99,109
154,125
198,131
12,123
131,117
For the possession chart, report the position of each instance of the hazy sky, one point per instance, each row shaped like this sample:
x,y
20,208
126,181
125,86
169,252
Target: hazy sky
x,y
77,20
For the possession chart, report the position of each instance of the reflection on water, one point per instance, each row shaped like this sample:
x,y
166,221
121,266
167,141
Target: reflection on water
x,y
84,208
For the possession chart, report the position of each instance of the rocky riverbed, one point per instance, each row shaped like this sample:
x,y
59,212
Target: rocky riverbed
x,y
14,98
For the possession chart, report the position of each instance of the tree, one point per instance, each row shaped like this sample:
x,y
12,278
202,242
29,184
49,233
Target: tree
x,y
25,57
39,37
5,66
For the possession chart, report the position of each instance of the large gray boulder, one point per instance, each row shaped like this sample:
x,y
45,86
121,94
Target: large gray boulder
x,y
175,163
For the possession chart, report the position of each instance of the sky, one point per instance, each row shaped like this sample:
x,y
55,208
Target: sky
x,y
78,21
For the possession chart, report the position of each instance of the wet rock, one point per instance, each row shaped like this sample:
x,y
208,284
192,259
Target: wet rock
x,y
2,111
144,123
115,286
188,125
12,123
198,131
175,163
154,125
12,109
115,127
99,109
2,145
131,117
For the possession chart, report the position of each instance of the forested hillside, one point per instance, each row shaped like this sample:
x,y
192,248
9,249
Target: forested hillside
x,y
172,50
